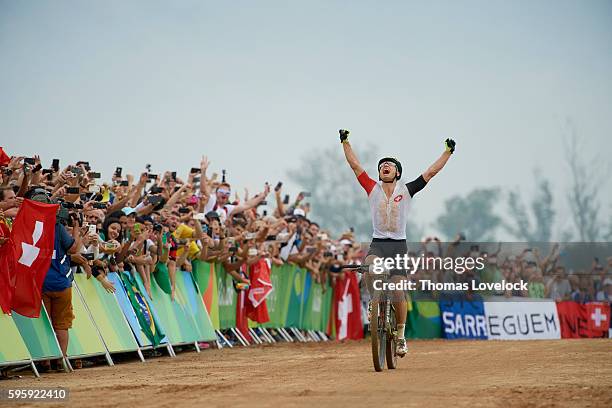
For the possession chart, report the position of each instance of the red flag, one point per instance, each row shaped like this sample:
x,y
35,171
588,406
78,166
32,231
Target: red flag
x,y
259,290
583,320
348,311
7,261
33,237
4,158
598,316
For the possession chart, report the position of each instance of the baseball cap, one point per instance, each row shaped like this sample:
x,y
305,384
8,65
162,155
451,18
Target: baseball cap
x,y
128,210
298,212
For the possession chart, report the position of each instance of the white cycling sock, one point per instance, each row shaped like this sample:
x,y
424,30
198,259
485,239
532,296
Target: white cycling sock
x,y
401,328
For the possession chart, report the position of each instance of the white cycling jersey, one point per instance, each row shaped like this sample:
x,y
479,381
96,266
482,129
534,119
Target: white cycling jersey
x,y
389,214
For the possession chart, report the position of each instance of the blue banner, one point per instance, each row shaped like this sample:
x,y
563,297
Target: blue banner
x,y
463,319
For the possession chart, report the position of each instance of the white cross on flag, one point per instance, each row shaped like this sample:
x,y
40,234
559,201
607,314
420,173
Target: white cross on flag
x,y
598,316
33,236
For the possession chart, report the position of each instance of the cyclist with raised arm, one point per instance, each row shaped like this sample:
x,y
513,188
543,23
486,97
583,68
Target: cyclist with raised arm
x,y
389,206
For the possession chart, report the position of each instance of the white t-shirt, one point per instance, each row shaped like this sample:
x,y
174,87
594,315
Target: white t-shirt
x,y
388,214
223,212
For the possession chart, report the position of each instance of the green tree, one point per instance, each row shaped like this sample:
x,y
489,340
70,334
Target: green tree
x,y
338,201
472,215
542,210
583,194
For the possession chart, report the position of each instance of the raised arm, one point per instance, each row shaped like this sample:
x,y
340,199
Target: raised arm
x,y
439,164
253,202
351,158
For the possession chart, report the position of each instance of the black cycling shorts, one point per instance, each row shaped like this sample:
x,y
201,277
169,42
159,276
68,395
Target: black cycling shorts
x,y
389,248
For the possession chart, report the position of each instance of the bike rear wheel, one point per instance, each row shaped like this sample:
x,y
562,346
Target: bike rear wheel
x,y
378,335
391,342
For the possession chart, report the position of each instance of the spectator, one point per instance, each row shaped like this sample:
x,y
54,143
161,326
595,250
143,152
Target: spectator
x,y
558,288
605,294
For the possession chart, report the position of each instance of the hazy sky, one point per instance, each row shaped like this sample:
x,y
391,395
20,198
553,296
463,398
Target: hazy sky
x,y
255,84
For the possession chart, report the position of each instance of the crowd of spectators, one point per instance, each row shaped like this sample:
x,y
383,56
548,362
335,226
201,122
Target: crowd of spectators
x,y
160,221
546,276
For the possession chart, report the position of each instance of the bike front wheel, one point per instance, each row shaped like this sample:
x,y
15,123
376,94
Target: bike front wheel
x,y
378,335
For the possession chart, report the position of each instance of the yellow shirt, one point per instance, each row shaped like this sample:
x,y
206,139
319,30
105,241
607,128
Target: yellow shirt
x,y
184,232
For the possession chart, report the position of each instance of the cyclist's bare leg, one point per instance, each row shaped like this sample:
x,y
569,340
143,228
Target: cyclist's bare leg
x,y
399,301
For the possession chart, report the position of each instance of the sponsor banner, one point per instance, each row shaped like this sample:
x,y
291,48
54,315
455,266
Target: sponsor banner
x,y
84,337
195,309
143,307
12,347
227,299
205,277
584,320
38,335
107,315
463,319
174,316
128,311
423,320
522,320
296,297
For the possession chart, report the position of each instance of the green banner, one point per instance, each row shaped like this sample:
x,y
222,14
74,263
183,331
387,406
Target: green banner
x,y
278,300
12,347
296,298
423,320
38,336
227,298
204,274
317,305
84,338
195,309
173,315
107,315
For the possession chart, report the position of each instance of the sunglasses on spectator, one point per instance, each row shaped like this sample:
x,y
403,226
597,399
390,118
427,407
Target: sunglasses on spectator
x,y
224,192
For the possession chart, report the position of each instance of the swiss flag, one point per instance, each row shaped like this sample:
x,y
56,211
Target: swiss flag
x,y
7,262
348,308
598,316
259,290
33,236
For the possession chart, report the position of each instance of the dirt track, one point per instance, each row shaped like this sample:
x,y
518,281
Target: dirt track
x,y
572,373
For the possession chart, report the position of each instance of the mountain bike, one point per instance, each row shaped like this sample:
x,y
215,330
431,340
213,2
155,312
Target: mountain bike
x,y
383,326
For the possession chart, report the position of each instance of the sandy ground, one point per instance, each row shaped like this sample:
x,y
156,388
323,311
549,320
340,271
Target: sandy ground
x,y
561,373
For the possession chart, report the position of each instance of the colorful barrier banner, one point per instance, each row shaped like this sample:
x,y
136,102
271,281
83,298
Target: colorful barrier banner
x,y
205,276
84,337
520,320
107,315
463,319
317,309
195,309
296,297
226,299
38,336
278,300
584,320
12,347
423,320
143,307
129,313
173,315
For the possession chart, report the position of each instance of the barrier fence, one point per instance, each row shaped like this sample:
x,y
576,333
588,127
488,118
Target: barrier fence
x,y
129,320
